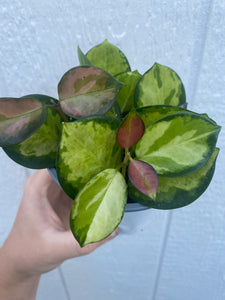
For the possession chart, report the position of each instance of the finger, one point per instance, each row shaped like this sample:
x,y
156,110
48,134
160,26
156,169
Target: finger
x,y
68,247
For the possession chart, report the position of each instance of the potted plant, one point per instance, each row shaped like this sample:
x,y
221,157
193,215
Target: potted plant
x,y
114,137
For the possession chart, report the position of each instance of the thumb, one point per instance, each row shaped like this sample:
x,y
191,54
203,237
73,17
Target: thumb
x,y
69,247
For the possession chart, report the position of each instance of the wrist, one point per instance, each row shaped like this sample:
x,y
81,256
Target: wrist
x,y
14,284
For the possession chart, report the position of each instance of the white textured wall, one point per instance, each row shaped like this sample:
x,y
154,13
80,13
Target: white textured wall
x,y
159,255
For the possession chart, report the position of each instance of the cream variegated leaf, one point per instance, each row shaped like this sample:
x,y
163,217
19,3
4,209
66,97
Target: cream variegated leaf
x,y
178,144
87,147
175,192
99,207
160,85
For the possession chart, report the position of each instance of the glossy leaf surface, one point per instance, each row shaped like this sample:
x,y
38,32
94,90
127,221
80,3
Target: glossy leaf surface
x,y
86,91
19,119
87,147
99,207
130,131
125,97
143,177
39,150
175,192
109,58
178,144
159,85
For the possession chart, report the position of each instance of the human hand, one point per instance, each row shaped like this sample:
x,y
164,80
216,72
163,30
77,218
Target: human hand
x,y
40,239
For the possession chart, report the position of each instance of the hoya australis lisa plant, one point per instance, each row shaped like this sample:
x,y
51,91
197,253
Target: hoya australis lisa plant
x,y
113,136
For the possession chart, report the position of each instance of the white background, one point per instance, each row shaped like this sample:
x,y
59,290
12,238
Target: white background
x,y
159,255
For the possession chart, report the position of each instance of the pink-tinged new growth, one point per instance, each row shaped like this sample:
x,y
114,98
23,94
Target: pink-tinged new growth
x,y
144,177
19,119
16,127
86,91
130,131
15,107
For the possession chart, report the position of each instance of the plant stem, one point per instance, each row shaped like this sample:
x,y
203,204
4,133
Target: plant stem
x,y
125,162
57,107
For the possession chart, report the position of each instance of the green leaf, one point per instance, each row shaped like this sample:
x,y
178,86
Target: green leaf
x,y
39,150
151,114
178,144
87,147
84,61
86,91
109,58
125,97
19,119
178,191
130,131
160,85
143,177
99,207
115,111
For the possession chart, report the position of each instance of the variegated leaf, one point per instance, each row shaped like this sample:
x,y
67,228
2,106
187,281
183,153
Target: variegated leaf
x,y
151,114
99,207
178,191
160,85
109,58
19,119
87,147
86,91
39,150
178,144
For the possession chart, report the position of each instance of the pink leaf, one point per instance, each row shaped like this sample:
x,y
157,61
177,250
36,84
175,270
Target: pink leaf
x,y
130,131
19,119
87,90
144,177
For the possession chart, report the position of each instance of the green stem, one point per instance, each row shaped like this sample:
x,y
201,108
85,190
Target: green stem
x,y
125,162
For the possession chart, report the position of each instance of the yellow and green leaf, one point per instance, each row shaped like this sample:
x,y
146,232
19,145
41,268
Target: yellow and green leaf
x,y
178,144
109,58
39,150
87,147
152,113
175,192
99,207
160,86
